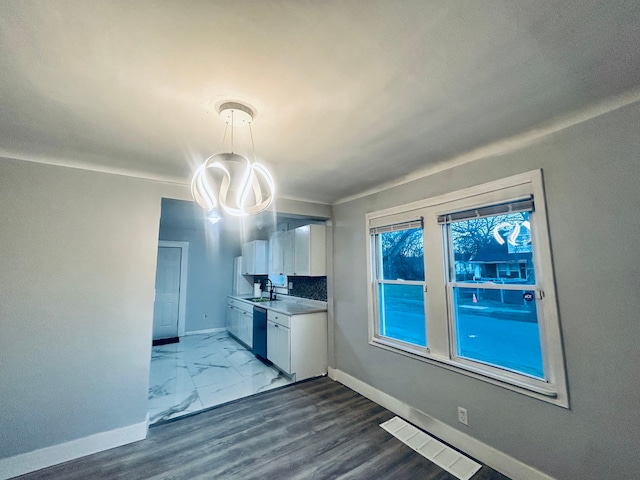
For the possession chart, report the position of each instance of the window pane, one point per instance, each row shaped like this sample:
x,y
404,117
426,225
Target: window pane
x,y
402,255
402,313
498,327
493,249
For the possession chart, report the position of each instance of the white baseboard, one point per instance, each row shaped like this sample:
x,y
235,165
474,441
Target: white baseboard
x,y
488,455
63,452
206,331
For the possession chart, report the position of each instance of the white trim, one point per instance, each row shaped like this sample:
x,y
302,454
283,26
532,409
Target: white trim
x,y
184,264
508,145
487,454
205,331
514,182
63,452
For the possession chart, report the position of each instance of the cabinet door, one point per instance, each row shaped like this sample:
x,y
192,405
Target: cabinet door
x,y
242,334
235,321
247,328
248,258
276,260
301,250
310,251
272,342
317,251
230,314
288,253
254,257
284,348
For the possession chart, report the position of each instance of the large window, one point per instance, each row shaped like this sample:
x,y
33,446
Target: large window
x,y
465,281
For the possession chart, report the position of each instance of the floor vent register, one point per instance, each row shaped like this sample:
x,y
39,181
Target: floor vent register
x,y
445,457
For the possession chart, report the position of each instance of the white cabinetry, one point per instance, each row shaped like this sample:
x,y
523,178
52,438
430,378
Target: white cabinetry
x,y
297,344
310,251
240,321
288,255
254,257
279,344
301,252
276,252
282,255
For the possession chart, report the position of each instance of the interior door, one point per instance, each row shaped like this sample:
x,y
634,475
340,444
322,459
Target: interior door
x,y
167,301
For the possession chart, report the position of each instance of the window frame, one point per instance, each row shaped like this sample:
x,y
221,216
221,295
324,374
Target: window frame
x,y
441,347
377,267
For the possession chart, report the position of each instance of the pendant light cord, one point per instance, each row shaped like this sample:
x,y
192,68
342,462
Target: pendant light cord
x,y
224,136
231,131
253,145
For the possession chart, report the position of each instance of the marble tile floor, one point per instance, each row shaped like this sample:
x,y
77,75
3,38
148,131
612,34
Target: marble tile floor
x,y
202,371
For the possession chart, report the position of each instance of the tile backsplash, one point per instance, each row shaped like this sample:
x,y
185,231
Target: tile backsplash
x,y
313,288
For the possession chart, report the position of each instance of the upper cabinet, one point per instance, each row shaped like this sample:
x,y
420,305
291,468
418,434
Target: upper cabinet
x,y
275,254
254,257
310,251
288,244
300,252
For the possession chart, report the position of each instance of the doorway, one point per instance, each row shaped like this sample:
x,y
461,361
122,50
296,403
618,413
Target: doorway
x,y
170,291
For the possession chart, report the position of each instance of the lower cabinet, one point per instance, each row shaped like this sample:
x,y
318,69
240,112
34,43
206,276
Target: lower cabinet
x,y
245,329
279,340
297,344
279,346
232,320
240,321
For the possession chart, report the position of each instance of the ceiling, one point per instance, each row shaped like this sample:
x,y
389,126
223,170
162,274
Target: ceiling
x,y
349,94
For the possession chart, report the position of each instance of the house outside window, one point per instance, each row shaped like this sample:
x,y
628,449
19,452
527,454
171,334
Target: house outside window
x,y
465,281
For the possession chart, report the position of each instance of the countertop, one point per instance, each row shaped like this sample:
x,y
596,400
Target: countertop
x,y
289,305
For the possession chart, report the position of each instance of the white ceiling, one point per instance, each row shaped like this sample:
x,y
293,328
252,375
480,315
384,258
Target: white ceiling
x,y
350,94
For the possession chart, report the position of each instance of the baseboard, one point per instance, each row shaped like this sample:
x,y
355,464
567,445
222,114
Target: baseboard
x,y
63,452
486,454
206,331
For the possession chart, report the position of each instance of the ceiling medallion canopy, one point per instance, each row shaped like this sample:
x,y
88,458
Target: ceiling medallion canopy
x,y
230,180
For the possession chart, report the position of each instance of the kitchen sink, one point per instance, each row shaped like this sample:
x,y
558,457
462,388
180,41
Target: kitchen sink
x,y
262,299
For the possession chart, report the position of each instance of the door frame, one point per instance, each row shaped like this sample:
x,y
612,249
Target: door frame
x,y
184,262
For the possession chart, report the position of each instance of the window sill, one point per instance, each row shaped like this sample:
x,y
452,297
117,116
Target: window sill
x,y
540,390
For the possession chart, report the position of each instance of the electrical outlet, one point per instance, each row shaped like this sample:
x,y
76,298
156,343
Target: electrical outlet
x,y
462,416
290,285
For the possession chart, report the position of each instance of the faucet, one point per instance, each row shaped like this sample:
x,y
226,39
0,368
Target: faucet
x,y
271,290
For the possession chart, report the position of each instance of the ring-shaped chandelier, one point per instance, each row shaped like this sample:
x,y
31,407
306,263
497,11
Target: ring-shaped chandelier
x,y
230,180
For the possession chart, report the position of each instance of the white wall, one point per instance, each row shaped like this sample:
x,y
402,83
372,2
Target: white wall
x,y
77,262
592,178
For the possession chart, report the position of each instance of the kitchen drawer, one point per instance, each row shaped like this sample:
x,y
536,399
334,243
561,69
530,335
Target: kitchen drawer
x,y
240,305
284,320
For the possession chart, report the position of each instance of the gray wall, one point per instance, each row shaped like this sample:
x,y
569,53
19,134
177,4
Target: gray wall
x,y
211,252
77,263
592,178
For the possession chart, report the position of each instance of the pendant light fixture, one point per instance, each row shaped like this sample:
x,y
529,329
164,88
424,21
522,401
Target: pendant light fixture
x,y
230,180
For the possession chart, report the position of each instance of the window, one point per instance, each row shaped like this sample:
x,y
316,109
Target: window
x,y
493,316
465,281
400,283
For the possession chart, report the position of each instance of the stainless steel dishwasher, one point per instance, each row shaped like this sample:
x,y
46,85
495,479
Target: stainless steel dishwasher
x,y
260,333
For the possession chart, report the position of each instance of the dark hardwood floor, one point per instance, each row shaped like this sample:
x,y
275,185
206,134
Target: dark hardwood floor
x,y
317,429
